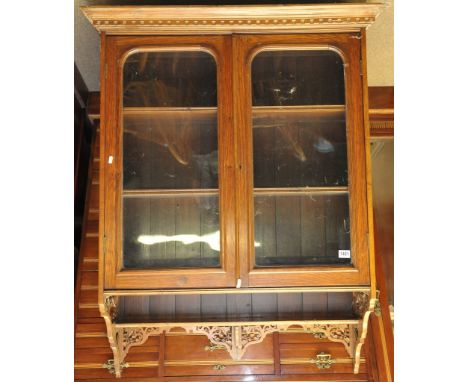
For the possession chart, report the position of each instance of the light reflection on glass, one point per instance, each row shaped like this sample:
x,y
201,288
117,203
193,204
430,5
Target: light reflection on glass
x,y
212,239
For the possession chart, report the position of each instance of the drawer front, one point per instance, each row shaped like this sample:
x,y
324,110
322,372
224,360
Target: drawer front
x,y
336,349
98,374
302,338
297,350
199,348
218,369
338,368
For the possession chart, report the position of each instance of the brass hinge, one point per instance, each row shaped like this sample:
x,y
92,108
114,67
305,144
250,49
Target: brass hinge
x,y
323,360
361,70
377,307
368,243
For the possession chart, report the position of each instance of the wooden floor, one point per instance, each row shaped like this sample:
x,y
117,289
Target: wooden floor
x,y
91,345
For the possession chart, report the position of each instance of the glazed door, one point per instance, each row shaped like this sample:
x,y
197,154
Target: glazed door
x,y
172,163
302,193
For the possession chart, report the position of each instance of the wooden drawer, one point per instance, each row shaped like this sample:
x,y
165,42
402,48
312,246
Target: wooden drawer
x,y
98,373
196,355
199,348
173,370
308,368
336,349
297,350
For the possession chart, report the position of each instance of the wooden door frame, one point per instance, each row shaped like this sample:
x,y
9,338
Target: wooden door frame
x,y
349,45
116,50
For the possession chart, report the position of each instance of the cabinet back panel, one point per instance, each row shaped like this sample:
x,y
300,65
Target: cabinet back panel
x,y
235,307
295,230
170,150
171,232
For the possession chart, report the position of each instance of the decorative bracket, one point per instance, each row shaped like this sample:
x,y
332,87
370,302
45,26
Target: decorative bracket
x,y
363,306
108,311
235,339
334,332
121,340
128,337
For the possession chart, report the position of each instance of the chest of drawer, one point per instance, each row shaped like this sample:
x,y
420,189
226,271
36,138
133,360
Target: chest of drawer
x,y
173,369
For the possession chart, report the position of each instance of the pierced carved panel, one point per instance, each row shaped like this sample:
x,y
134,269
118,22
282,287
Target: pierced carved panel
x,y
235,339
218,335
255,334
128,337
336,333
250,335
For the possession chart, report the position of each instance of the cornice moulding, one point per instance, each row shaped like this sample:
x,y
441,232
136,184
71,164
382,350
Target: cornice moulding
x,y
166,20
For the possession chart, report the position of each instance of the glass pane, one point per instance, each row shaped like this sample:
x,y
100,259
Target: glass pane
x,y
300,129
170,142
297,77
170,150
299,141
300,149
170,79
170,121
306,229
171,232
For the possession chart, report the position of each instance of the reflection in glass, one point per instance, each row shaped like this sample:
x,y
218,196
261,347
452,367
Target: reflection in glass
x,y
170,121
170,142
212,239
300,149
300,143
297,77
170,150
170,79
299,119
171,232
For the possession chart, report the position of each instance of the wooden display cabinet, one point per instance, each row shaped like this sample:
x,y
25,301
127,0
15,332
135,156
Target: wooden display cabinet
x,y
235,182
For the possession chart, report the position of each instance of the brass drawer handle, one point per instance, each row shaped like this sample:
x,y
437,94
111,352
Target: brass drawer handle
x,y
110,366
323,360
219,367
213,347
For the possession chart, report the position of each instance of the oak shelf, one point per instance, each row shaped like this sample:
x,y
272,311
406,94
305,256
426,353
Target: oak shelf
x,y
320,113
